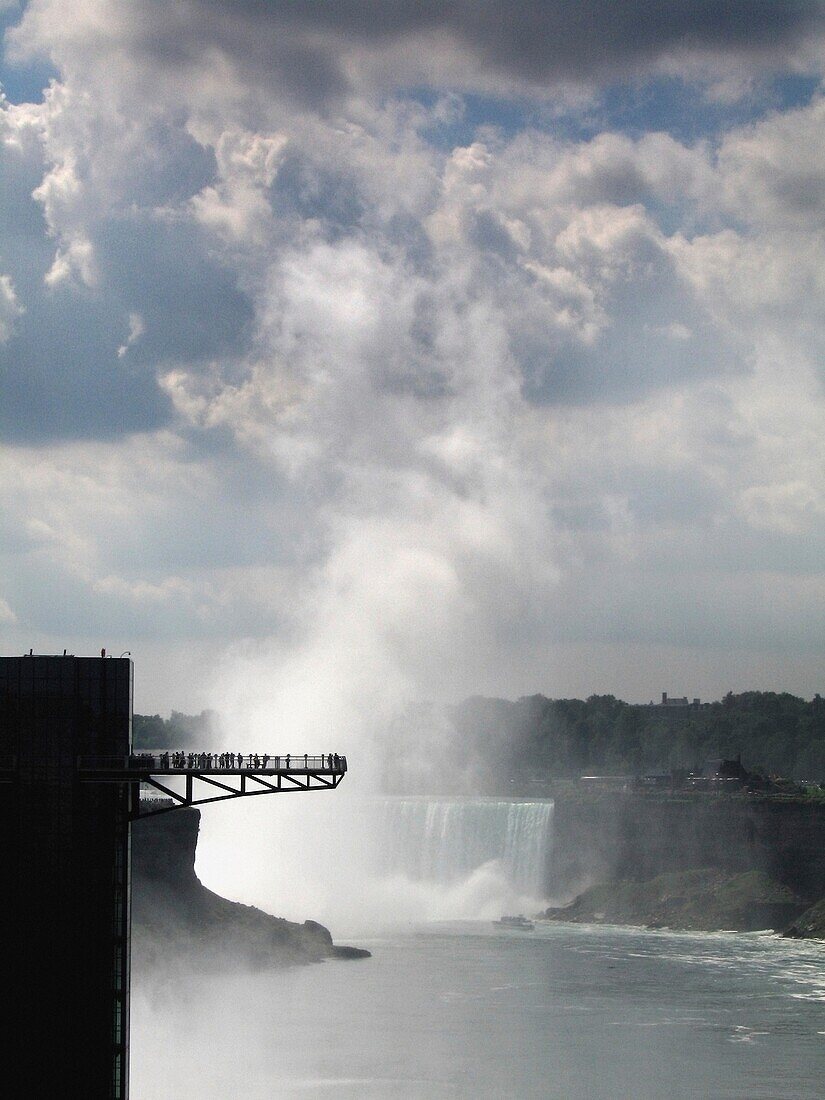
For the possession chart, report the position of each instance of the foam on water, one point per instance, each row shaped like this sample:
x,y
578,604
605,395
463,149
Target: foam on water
x,y
465,1010
357,863
443,841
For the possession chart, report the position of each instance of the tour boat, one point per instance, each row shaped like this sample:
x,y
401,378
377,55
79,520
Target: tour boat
x,y
520,922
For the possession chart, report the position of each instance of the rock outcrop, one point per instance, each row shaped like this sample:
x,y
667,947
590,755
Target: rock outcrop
x,y
810,925
688,860
703,900
602,836
174,915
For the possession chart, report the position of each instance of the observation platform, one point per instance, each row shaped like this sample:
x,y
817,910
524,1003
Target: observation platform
x,y
212,776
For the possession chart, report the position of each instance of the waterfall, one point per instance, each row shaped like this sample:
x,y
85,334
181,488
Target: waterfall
x,y
442,841
356,862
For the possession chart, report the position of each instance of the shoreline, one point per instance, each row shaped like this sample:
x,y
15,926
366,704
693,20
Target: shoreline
x,y
696,900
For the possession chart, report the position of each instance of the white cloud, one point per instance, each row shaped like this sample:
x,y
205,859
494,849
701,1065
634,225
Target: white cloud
x,y
237,207
784,508
433,408
137,327
10,308
773,171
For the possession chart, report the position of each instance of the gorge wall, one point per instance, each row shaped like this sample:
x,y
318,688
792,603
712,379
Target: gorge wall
x,y
174,914
603,835
546,851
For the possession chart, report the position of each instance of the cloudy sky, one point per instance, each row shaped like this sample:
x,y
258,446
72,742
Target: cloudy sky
x,y
433,348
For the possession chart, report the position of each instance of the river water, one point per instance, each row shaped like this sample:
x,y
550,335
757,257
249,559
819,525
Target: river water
x,y
462,1009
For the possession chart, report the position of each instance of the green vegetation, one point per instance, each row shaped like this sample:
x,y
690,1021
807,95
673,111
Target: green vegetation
x,y
776,734
150,732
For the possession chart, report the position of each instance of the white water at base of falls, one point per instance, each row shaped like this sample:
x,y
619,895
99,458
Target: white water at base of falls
x,y
443,841
359,863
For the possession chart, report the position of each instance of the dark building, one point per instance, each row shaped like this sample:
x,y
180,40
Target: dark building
x,y
719,775
65,874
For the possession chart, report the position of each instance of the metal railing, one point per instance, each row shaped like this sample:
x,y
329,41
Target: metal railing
x,y
174,762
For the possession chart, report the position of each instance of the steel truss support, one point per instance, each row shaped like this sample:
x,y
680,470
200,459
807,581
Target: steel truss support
x,y
249,784
208,773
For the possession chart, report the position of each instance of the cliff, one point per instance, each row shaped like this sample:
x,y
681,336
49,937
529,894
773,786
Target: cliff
x,y
704,900
174,915
626,841
602,835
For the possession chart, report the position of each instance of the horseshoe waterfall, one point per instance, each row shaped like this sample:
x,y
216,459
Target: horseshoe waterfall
x,y
444,842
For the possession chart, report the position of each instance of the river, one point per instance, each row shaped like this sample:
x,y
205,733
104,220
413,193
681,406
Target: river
x,y
462,1009
456,1007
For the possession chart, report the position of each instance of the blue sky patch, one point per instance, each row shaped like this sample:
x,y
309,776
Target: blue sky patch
x,y
672,106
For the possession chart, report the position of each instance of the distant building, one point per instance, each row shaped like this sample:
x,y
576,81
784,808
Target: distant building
x,y
674,706
719,775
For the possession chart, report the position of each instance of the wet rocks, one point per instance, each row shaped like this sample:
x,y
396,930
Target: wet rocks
x,y
702,900
810,925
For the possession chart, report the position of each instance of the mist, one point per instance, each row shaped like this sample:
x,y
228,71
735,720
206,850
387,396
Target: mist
x,y
360,864
399,609
361,358
324,856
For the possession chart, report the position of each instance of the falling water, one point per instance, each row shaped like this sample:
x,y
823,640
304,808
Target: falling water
x,y
357,862
442,841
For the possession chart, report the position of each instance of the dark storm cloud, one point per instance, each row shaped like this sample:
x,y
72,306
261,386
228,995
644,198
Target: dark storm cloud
x,y
313,53
536,41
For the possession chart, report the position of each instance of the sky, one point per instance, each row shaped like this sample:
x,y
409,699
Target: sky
x,y
417,349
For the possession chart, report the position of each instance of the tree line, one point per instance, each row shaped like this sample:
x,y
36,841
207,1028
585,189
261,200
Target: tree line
x,y
775,733
150,732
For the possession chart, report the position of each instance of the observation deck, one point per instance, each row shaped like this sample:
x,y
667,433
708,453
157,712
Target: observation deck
x,y
202,774
70,786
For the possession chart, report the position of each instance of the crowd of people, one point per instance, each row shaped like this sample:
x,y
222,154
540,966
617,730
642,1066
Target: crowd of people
x,y
232,761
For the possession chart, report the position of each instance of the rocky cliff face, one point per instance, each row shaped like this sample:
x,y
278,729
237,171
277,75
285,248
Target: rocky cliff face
x,y
702,900
174,915
810,925
604,835
688,861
